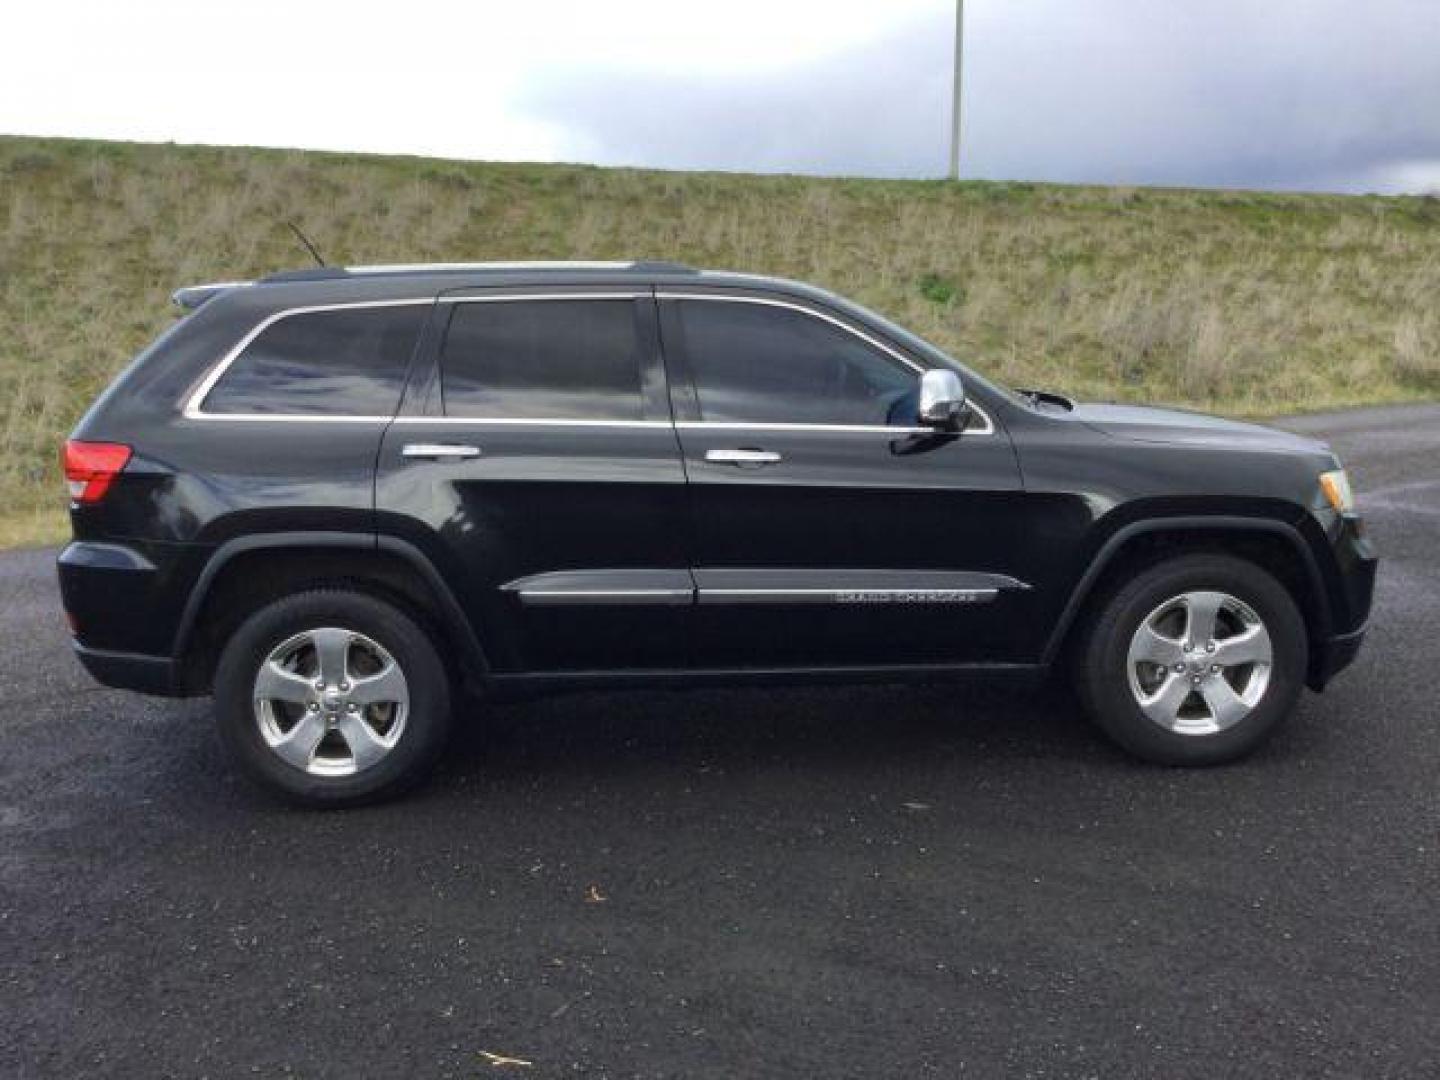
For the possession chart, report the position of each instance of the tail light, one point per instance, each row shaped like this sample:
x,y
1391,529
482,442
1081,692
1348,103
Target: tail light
x,y
91,467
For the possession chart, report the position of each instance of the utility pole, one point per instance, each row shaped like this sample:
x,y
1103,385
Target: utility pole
x,y
955,107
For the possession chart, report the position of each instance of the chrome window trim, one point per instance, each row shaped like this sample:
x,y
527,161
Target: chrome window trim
x,y
988,429
193,406
533,421
728,425
287,418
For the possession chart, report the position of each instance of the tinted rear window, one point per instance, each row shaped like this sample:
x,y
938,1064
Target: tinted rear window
x,y
349,362
543,359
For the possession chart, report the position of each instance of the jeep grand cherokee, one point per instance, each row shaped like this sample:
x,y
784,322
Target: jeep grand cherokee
x,y
341,500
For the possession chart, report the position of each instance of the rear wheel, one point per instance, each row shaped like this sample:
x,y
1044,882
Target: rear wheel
x,y
332,698
1195,661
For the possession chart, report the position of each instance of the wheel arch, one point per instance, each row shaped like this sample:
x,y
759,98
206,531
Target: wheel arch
x,y
248,572
1276,546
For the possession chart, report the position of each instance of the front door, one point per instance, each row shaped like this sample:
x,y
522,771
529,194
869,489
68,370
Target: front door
x,y
828,529
537,448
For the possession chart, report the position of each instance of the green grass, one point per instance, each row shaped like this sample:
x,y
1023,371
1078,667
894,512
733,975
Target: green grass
x,y
1235,302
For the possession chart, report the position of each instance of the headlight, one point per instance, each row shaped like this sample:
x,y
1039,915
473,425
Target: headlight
x,y
1336,486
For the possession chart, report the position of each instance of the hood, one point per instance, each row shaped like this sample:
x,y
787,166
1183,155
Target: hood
x,y
1140,423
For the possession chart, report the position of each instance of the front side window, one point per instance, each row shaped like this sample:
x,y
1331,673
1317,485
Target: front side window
x,y
343,362
762,364
542,359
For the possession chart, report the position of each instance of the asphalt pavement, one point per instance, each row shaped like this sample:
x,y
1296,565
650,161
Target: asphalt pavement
x,y
872,882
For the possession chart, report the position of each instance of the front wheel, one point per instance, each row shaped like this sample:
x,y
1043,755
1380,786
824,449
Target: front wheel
x,y
332,698
1195,661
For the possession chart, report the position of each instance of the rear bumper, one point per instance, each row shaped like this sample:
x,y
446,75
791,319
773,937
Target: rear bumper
x,y
121,602
131,671
119,598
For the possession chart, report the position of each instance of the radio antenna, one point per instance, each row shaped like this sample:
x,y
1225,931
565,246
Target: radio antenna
x,y
306,241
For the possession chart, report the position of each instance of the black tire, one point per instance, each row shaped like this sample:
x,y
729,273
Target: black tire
x,y
427,720
1103,681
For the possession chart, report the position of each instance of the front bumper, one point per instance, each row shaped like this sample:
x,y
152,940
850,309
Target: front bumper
x,y
1330,657
1351,591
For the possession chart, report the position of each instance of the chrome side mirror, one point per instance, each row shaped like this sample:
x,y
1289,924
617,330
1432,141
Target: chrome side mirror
x,y
942,399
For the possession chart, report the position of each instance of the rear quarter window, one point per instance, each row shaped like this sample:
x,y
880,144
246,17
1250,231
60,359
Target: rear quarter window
x,y
346,362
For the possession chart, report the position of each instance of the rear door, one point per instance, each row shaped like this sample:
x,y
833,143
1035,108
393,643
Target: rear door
x,y
829,530
536,462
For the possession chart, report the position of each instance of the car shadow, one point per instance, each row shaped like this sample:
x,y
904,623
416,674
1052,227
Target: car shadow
x,y
572,747
817,728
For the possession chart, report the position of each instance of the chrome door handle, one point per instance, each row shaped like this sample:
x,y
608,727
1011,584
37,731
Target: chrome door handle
x,y
439,451
742,457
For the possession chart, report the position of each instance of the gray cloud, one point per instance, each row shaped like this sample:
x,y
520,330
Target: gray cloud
x,y
1289,94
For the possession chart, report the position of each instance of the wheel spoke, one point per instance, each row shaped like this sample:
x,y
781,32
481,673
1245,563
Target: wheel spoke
x,y
1226,707
332,651
365,745
386,686
274,683
297,746
1152,647
1250,647
1163,706
1201,611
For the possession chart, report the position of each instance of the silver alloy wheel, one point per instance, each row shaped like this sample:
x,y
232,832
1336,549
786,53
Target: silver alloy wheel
x,y
331,701
1200,662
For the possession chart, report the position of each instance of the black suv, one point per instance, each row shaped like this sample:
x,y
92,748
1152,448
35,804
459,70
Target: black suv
x,y
342,499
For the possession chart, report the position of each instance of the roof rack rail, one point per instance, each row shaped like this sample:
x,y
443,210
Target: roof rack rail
x,y
643,265
330,273
442,267
662,266
313,273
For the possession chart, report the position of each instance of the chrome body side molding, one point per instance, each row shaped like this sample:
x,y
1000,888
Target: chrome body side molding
x,y
577,588
583,588
767,586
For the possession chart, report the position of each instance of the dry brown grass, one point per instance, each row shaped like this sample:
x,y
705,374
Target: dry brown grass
x,y
1236,302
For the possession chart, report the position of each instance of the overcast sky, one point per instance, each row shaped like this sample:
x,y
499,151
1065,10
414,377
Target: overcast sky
x,y
1339,95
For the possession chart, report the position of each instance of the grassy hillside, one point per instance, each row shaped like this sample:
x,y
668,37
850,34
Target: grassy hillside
x,y
1236,302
